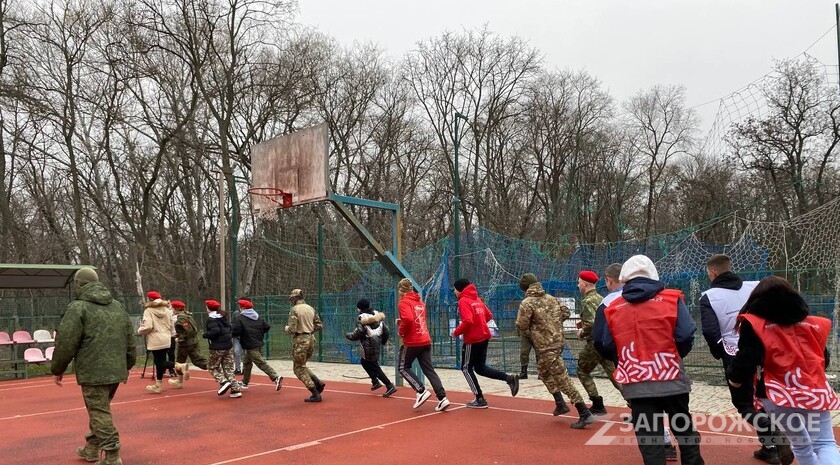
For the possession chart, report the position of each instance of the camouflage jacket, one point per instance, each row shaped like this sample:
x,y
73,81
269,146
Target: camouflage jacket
x,y
186,331
303,319
96,332
588,307
540,318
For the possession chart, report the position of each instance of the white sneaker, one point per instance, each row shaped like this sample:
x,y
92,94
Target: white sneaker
x,y
278,383
441,406
422,397
243,386
235,394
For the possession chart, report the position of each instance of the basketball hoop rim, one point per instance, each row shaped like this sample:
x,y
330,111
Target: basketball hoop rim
x,y
266,191
273,193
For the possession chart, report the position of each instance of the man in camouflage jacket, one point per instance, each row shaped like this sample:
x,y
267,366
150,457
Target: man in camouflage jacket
x,y
540,318
303,324
96,332
589,358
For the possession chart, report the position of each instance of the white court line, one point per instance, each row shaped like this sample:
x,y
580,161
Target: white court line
x,y
316,442
148,399
28,385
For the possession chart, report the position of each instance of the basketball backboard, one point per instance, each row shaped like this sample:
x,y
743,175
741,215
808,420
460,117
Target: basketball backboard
x,y
295,163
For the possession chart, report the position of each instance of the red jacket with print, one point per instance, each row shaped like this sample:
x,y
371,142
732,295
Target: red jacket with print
x,y
412,326
474,317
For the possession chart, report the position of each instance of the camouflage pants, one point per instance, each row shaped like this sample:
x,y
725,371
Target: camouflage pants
x,y
588,359
552,371
524,350
103,435
220,366
253,357
303,346
192,353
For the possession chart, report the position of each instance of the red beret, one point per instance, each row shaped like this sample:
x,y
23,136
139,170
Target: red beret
x,y
177,304
153,295
244,303
212,304
588,276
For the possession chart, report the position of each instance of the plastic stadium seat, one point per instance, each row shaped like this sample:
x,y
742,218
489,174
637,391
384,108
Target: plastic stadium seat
x,y
5,340
49,352
34,355
42,335
22,337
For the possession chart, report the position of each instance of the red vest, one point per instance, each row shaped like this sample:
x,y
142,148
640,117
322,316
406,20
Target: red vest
x,y
644,338
787,350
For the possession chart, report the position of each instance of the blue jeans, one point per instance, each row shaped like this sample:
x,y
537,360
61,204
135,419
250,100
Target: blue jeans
x,y
809,432
237,354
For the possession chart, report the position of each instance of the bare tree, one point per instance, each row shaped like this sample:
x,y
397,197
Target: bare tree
x,y
481,76
660,128
793,148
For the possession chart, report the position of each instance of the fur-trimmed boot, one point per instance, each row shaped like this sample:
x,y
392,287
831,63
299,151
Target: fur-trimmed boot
x,y
90,452
156,388
177,383
315,397
183,369
560,404
586,417
111,457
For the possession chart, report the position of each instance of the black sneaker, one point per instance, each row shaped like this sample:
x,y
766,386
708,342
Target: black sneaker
x,y
478,403
670,453
514,385
237,372
224,388
767,454
390,392
376,386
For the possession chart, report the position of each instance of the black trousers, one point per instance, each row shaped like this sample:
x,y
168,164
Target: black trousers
x,y
170,355
647,414
743,401
474,360
375,372
161,364
423,355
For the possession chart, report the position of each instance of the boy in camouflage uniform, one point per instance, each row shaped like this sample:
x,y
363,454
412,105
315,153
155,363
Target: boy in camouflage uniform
x,y
589,358
303,323
102,361
186,336
540,318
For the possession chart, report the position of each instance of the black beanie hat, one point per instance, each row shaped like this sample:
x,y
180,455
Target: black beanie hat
x,y
363,305
461,284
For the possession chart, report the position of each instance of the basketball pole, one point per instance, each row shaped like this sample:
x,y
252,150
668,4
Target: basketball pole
x,y
222,240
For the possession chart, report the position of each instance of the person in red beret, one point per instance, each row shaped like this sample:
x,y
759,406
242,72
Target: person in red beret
x,y
220,365
153,296
250,328
589,358
157,329
186,336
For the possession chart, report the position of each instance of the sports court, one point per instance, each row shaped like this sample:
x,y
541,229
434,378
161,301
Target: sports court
x,y
44,423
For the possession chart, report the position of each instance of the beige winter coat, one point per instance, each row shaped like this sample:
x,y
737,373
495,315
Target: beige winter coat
x,y
157,325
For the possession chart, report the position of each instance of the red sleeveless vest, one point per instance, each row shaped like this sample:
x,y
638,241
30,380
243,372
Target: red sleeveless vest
x,y
644,338
787,350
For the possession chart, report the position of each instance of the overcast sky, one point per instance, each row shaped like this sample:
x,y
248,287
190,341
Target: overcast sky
x,y
712,47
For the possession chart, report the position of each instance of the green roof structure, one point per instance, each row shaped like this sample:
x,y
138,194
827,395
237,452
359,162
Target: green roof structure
x,y
36,276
